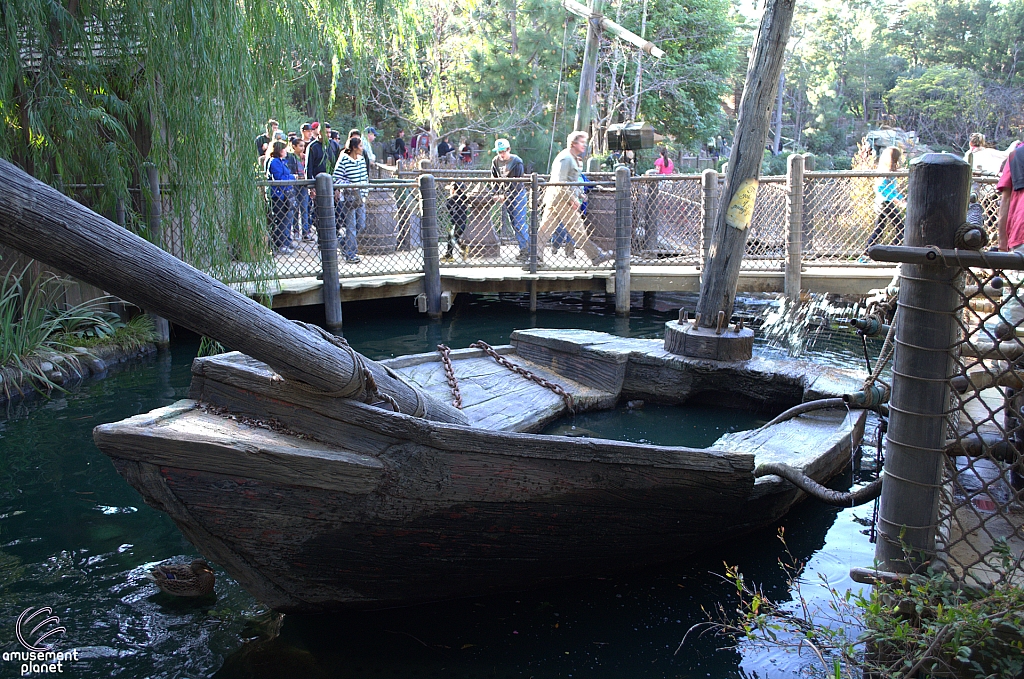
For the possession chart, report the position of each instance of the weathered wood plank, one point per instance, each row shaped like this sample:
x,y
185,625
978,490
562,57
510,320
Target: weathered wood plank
x,y
258,391
183,436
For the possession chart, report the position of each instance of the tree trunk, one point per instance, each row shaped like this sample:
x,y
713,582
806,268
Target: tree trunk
x,y
777,145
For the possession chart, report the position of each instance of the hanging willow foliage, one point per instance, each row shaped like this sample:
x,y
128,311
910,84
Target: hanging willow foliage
x,y
90,90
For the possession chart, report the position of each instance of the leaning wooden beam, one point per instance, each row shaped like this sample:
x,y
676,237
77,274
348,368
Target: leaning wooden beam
x,y
612,28
39,221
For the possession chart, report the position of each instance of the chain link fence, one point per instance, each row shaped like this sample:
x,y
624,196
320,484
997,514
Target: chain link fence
x,y
668,220
981,512
842,217
485,222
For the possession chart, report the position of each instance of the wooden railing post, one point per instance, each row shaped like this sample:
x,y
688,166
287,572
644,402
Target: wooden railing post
x,y
709,183
623,238
327,237
428,231
795,204
156,236
534,220
926,332
534,226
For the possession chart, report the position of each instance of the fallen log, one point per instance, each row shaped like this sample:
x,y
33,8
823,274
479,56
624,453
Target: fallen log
x,y
41,222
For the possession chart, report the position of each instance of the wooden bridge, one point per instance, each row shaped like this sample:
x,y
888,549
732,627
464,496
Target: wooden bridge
x,y
307,291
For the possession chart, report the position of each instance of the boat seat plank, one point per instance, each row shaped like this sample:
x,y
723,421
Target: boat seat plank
x,y
818,443
495,398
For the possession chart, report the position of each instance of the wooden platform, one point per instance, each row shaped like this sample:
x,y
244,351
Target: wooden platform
x,y
643,278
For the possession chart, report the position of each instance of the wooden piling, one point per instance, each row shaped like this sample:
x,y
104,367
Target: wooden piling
x,y
623,239
718,285
327,237
709,183
161,327
428,227
795,200
926,331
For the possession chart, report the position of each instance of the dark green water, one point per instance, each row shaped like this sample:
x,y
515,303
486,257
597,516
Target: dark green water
x,y
693,426
75,537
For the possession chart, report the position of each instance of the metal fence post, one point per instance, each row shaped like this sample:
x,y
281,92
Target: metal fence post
x,y
623,238
327,236
709,183
926,331
795,204
156,236
428,231
534,221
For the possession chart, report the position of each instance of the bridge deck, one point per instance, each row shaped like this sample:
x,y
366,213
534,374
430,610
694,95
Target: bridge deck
x,y
854,280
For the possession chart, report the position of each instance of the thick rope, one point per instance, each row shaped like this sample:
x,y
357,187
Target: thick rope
x,y
365,386
816,490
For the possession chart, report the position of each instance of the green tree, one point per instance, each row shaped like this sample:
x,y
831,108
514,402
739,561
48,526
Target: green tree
x,y
681,94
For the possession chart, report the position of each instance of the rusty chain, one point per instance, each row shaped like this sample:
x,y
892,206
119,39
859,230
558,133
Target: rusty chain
x,y
449,373
502,361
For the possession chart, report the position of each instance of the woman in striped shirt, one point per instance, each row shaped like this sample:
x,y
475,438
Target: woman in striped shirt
x,y
351,169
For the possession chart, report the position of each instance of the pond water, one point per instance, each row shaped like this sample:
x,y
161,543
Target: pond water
x,y
695,426
76,538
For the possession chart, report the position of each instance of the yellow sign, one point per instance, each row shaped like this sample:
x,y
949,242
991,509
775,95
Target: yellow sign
x,y
741,207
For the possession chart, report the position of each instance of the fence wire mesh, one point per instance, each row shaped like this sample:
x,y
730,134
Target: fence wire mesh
x,y
768,233
484,222
841,217
668,220
982,508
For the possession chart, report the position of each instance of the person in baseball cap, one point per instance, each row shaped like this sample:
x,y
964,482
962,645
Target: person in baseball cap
x,y
507,165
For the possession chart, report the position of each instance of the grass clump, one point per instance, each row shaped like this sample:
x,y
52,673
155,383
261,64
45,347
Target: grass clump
x,y
37,327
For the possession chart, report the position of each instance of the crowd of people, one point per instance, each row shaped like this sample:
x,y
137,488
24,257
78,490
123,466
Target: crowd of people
x,y
313,150
317,149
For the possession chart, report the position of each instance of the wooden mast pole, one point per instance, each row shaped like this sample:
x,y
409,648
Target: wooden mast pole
x,y
39,221
588,75
596,23
722,270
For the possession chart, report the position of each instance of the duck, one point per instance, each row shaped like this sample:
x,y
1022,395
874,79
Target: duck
x,y
177,579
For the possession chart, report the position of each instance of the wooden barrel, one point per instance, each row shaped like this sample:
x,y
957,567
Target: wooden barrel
x,y
480,239
601,217
380,237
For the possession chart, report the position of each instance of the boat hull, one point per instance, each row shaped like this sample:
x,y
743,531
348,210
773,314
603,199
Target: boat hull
x,y
318,504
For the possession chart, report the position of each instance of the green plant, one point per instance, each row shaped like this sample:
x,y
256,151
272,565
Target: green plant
x,y
131,336
922,625
34,320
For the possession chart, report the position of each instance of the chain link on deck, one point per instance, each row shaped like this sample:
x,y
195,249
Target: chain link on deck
x,y
449,374
502,361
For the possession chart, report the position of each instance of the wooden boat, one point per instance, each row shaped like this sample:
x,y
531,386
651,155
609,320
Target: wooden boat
x,y
350,505
321,480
